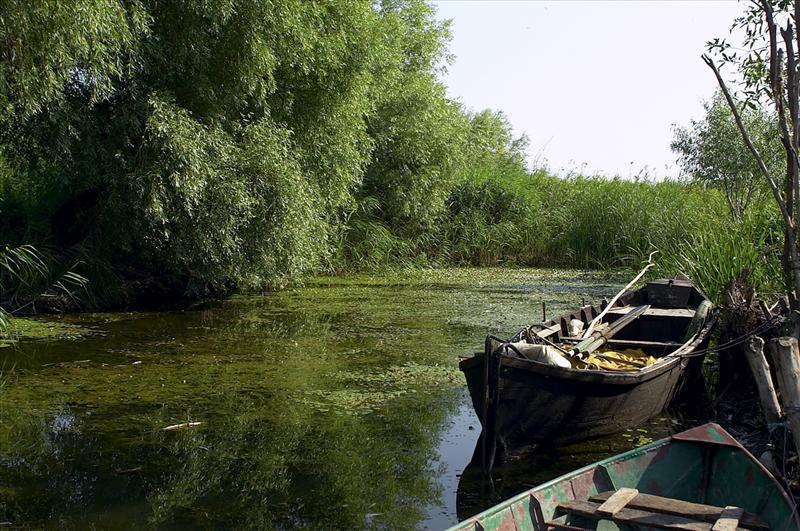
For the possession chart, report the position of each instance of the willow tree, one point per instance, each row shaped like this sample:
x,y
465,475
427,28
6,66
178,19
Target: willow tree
x,y
769,73
711,152
185,146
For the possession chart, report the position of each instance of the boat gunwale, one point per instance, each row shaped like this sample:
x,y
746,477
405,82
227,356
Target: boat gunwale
x,y
664,364
633,452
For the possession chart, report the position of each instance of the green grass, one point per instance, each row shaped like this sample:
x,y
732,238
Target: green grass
x,y
519,218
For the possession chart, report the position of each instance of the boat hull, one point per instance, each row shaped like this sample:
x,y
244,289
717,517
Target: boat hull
x,y
702,465
522,403
542,405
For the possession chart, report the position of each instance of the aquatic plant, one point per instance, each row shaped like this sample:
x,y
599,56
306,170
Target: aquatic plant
x,y
713,256
533,218
26,276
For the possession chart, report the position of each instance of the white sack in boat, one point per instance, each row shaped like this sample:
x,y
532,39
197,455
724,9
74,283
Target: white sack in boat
x,y
575,327
542,353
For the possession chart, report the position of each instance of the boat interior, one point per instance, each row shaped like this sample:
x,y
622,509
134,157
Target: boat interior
x,y
644,319
627,508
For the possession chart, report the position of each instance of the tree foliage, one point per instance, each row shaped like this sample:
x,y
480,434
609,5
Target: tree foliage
x,y
769,74
205,144
712,153
179,149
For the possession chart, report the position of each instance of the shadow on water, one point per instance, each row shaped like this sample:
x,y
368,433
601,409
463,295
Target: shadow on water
x,y
337,405
527,469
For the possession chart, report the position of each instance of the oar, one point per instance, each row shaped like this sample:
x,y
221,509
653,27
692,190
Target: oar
x,y
606,331
613,301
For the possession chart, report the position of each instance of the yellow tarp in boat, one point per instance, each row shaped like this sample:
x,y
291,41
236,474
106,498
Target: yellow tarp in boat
x,y
631,359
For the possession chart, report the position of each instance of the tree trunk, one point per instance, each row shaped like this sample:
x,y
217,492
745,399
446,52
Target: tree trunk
x,y
739,314
787,357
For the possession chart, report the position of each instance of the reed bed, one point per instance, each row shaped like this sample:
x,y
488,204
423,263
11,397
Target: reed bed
x,y
519,218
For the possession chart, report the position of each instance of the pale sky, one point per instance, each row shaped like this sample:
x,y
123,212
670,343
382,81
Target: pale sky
x,y
596,85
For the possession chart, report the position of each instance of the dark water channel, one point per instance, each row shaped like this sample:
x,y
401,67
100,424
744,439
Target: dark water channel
x,y
337,405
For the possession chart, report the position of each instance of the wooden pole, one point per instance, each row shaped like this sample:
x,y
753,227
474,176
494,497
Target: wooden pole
x,y
754,350
599,318
787,356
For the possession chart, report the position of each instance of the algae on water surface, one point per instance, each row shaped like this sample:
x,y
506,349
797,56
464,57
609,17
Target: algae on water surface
x,y
321,406
32,329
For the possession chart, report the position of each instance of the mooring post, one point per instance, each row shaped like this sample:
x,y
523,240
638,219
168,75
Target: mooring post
x,y
754,351
787,357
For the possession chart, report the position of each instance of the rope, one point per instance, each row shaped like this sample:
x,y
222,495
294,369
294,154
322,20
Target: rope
x,y
565,352
763,327
535,339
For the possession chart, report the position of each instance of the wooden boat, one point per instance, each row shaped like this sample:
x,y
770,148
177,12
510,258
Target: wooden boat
x,y
701,479
522,402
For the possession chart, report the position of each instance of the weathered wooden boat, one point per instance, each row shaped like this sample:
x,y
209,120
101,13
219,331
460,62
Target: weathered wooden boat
x,y
522,402
701,479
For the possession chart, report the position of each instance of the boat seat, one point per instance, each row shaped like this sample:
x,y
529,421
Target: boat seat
x,y
631,343
656,312
629,506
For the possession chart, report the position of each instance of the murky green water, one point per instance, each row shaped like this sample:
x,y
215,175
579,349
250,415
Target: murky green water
x,y
337,405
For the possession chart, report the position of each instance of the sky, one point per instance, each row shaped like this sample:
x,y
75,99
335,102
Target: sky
x,y
596,85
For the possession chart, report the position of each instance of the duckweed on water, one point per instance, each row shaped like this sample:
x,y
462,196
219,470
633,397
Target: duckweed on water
x,y
367,392
411,374
305,396
41,329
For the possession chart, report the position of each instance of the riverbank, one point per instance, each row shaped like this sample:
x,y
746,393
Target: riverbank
x,y
507,219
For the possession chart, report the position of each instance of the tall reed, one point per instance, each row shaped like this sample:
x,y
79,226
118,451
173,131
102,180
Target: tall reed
x,y
536,219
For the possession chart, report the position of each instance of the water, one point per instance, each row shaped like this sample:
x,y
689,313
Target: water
x,y
337,405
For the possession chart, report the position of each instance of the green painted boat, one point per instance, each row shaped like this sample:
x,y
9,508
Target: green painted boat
x,y
685,481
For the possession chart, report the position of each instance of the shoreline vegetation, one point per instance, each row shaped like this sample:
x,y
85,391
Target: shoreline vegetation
x,y
517,220
163,154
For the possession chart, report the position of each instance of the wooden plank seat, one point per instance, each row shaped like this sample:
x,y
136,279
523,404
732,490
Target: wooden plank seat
x,y
729,519
617,501
699,511
631,343
628,506
656,312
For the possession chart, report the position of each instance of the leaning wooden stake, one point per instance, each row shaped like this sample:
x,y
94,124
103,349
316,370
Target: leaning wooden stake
x,y
754,350
616,297
787,357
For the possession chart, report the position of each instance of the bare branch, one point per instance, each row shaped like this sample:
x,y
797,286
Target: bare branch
x,y
774,65
791,72
787,219
796,25
786,137
792,92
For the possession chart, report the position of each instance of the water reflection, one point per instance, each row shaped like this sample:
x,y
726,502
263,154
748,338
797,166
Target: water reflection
x,y
476,492
338,405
